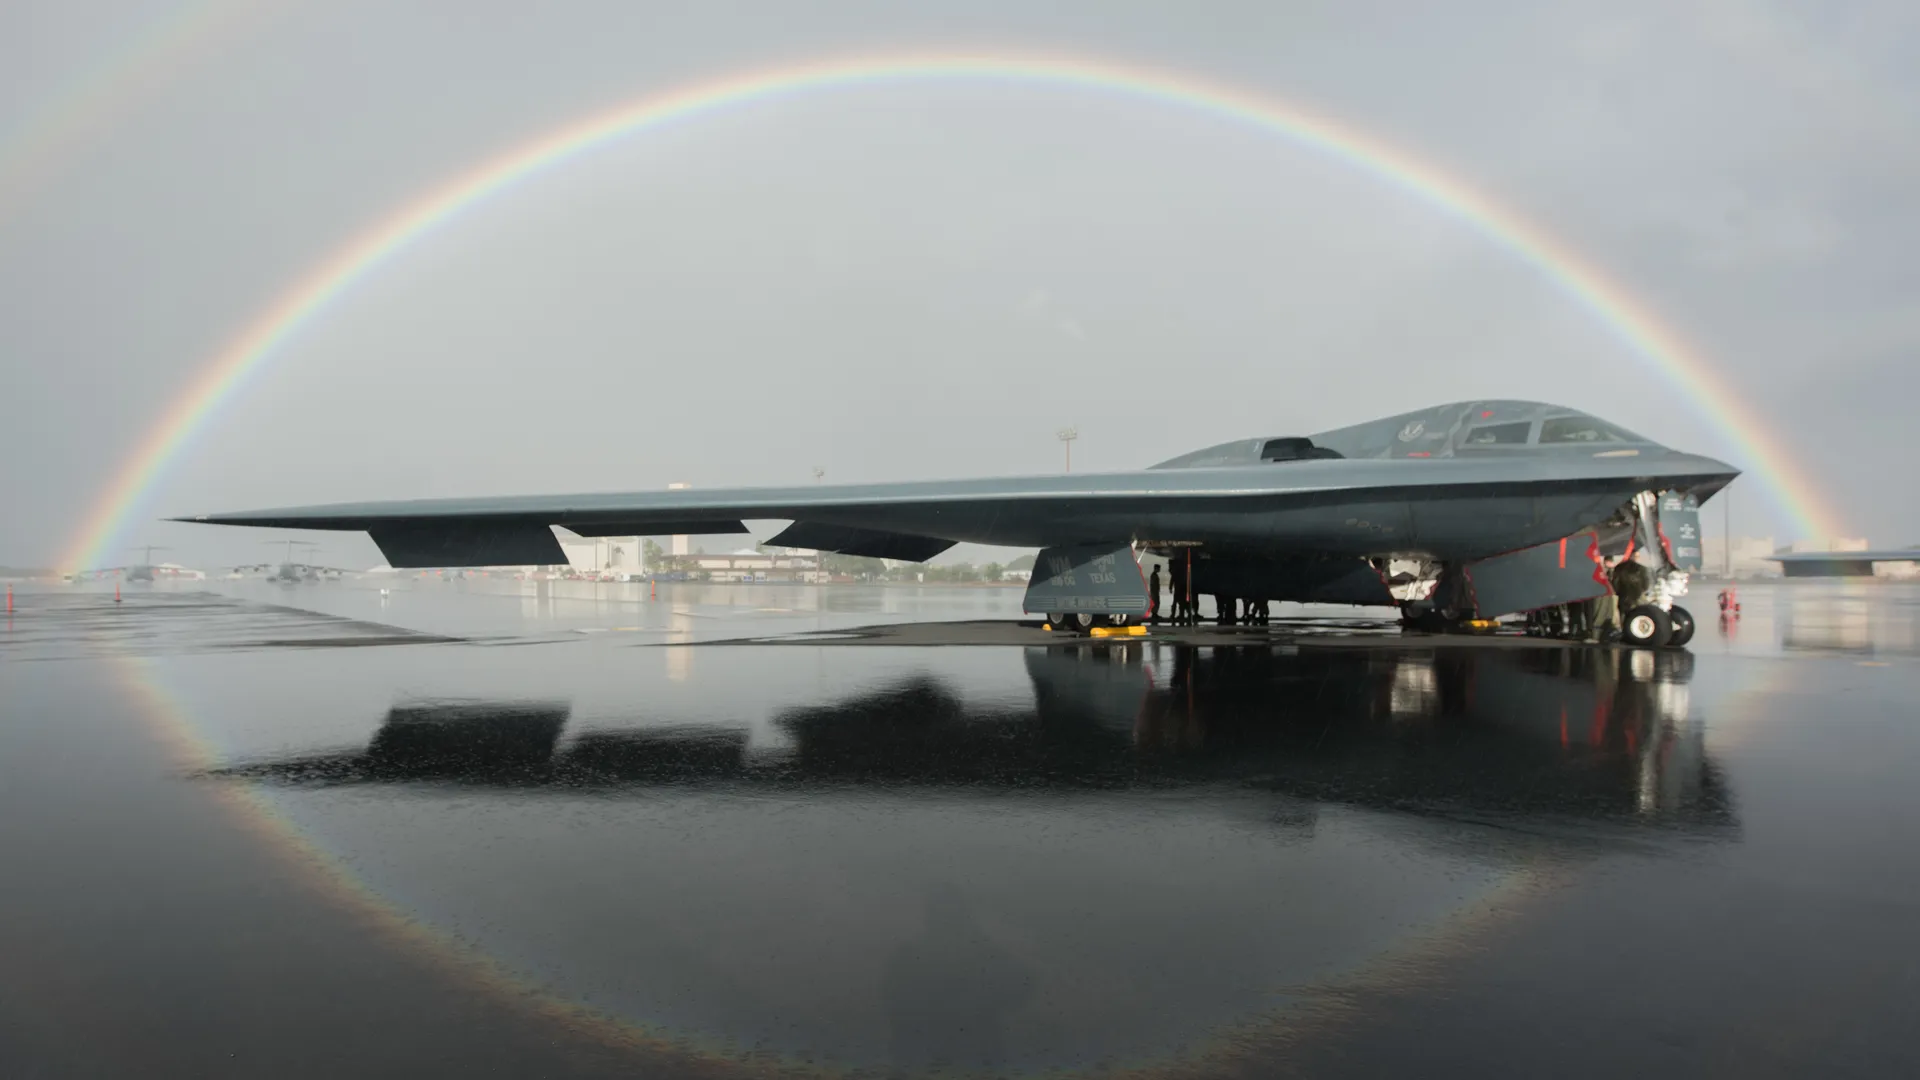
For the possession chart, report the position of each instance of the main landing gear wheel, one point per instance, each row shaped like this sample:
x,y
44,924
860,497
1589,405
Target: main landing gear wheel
x,y
1646,627
1682,621
1075,622
1432,622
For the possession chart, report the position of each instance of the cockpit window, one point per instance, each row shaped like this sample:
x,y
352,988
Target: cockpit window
x,y
1499,434
1580,429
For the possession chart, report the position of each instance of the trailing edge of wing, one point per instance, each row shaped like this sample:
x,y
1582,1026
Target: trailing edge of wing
x,y
691,527
848,540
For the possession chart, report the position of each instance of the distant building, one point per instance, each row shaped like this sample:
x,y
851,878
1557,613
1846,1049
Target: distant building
x,y
751,565
1870,563
1904,571
1749,557
1832,543
618,554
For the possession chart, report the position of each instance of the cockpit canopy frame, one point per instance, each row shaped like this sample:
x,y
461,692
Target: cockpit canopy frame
x,y
1469,428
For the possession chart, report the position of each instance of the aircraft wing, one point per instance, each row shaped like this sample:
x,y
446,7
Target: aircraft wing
x,y
1319,503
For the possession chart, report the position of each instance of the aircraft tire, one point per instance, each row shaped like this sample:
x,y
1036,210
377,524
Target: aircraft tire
x,y
1428,622
1682,621
1646,627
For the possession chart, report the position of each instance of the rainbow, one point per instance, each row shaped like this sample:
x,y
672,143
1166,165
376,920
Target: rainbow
x,y
322,872
126,78
1582,281
252,808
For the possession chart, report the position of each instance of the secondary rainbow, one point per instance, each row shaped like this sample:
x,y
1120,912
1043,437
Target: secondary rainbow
x,y
1582,281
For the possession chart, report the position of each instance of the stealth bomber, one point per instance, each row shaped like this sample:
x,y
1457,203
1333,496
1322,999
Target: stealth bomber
x,y
1468,511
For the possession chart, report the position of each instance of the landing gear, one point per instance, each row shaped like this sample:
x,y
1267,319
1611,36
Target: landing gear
x,y
1682,621
1430,621
1079,622
1647,627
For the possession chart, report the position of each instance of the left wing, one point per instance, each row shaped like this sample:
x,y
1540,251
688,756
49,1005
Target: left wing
x,y
1309,505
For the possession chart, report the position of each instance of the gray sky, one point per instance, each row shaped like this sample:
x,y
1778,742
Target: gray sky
x,y
927,279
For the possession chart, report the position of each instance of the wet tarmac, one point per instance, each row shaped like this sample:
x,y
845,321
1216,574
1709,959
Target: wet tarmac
x,y
470,828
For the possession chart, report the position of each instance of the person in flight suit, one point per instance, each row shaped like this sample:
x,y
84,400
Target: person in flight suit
x,y
1631,581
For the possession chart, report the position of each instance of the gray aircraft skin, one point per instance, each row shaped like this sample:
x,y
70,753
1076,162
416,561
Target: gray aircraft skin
x,y
1452,484
1434,482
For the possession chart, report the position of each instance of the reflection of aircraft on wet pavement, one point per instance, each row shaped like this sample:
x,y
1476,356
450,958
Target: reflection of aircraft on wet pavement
x,y
1501,735
1465,511
144,571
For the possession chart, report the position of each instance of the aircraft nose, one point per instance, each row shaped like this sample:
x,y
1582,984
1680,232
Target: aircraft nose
x,y
1717,466
1714,471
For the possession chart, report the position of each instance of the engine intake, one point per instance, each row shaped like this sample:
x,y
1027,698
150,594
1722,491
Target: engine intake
x,y
1296,449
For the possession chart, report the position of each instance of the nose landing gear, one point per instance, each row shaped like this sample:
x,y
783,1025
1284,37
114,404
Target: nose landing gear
x,y
1647,627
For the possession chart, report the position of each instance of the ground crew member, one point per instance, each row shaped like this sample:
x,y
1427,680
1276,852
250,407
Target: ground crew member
x,y
1603,612
1630,579
1177,570
1630,583
1603,618
1153,594
1578,620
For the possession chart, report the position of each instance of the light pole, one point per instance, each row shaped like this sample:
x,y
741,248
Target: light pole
x,y
291,544
1067,435
150,549
1726,527
819,554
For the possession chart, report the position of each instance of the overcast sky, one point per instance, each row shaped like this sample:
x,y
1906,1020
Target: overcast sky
x,y
927,279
